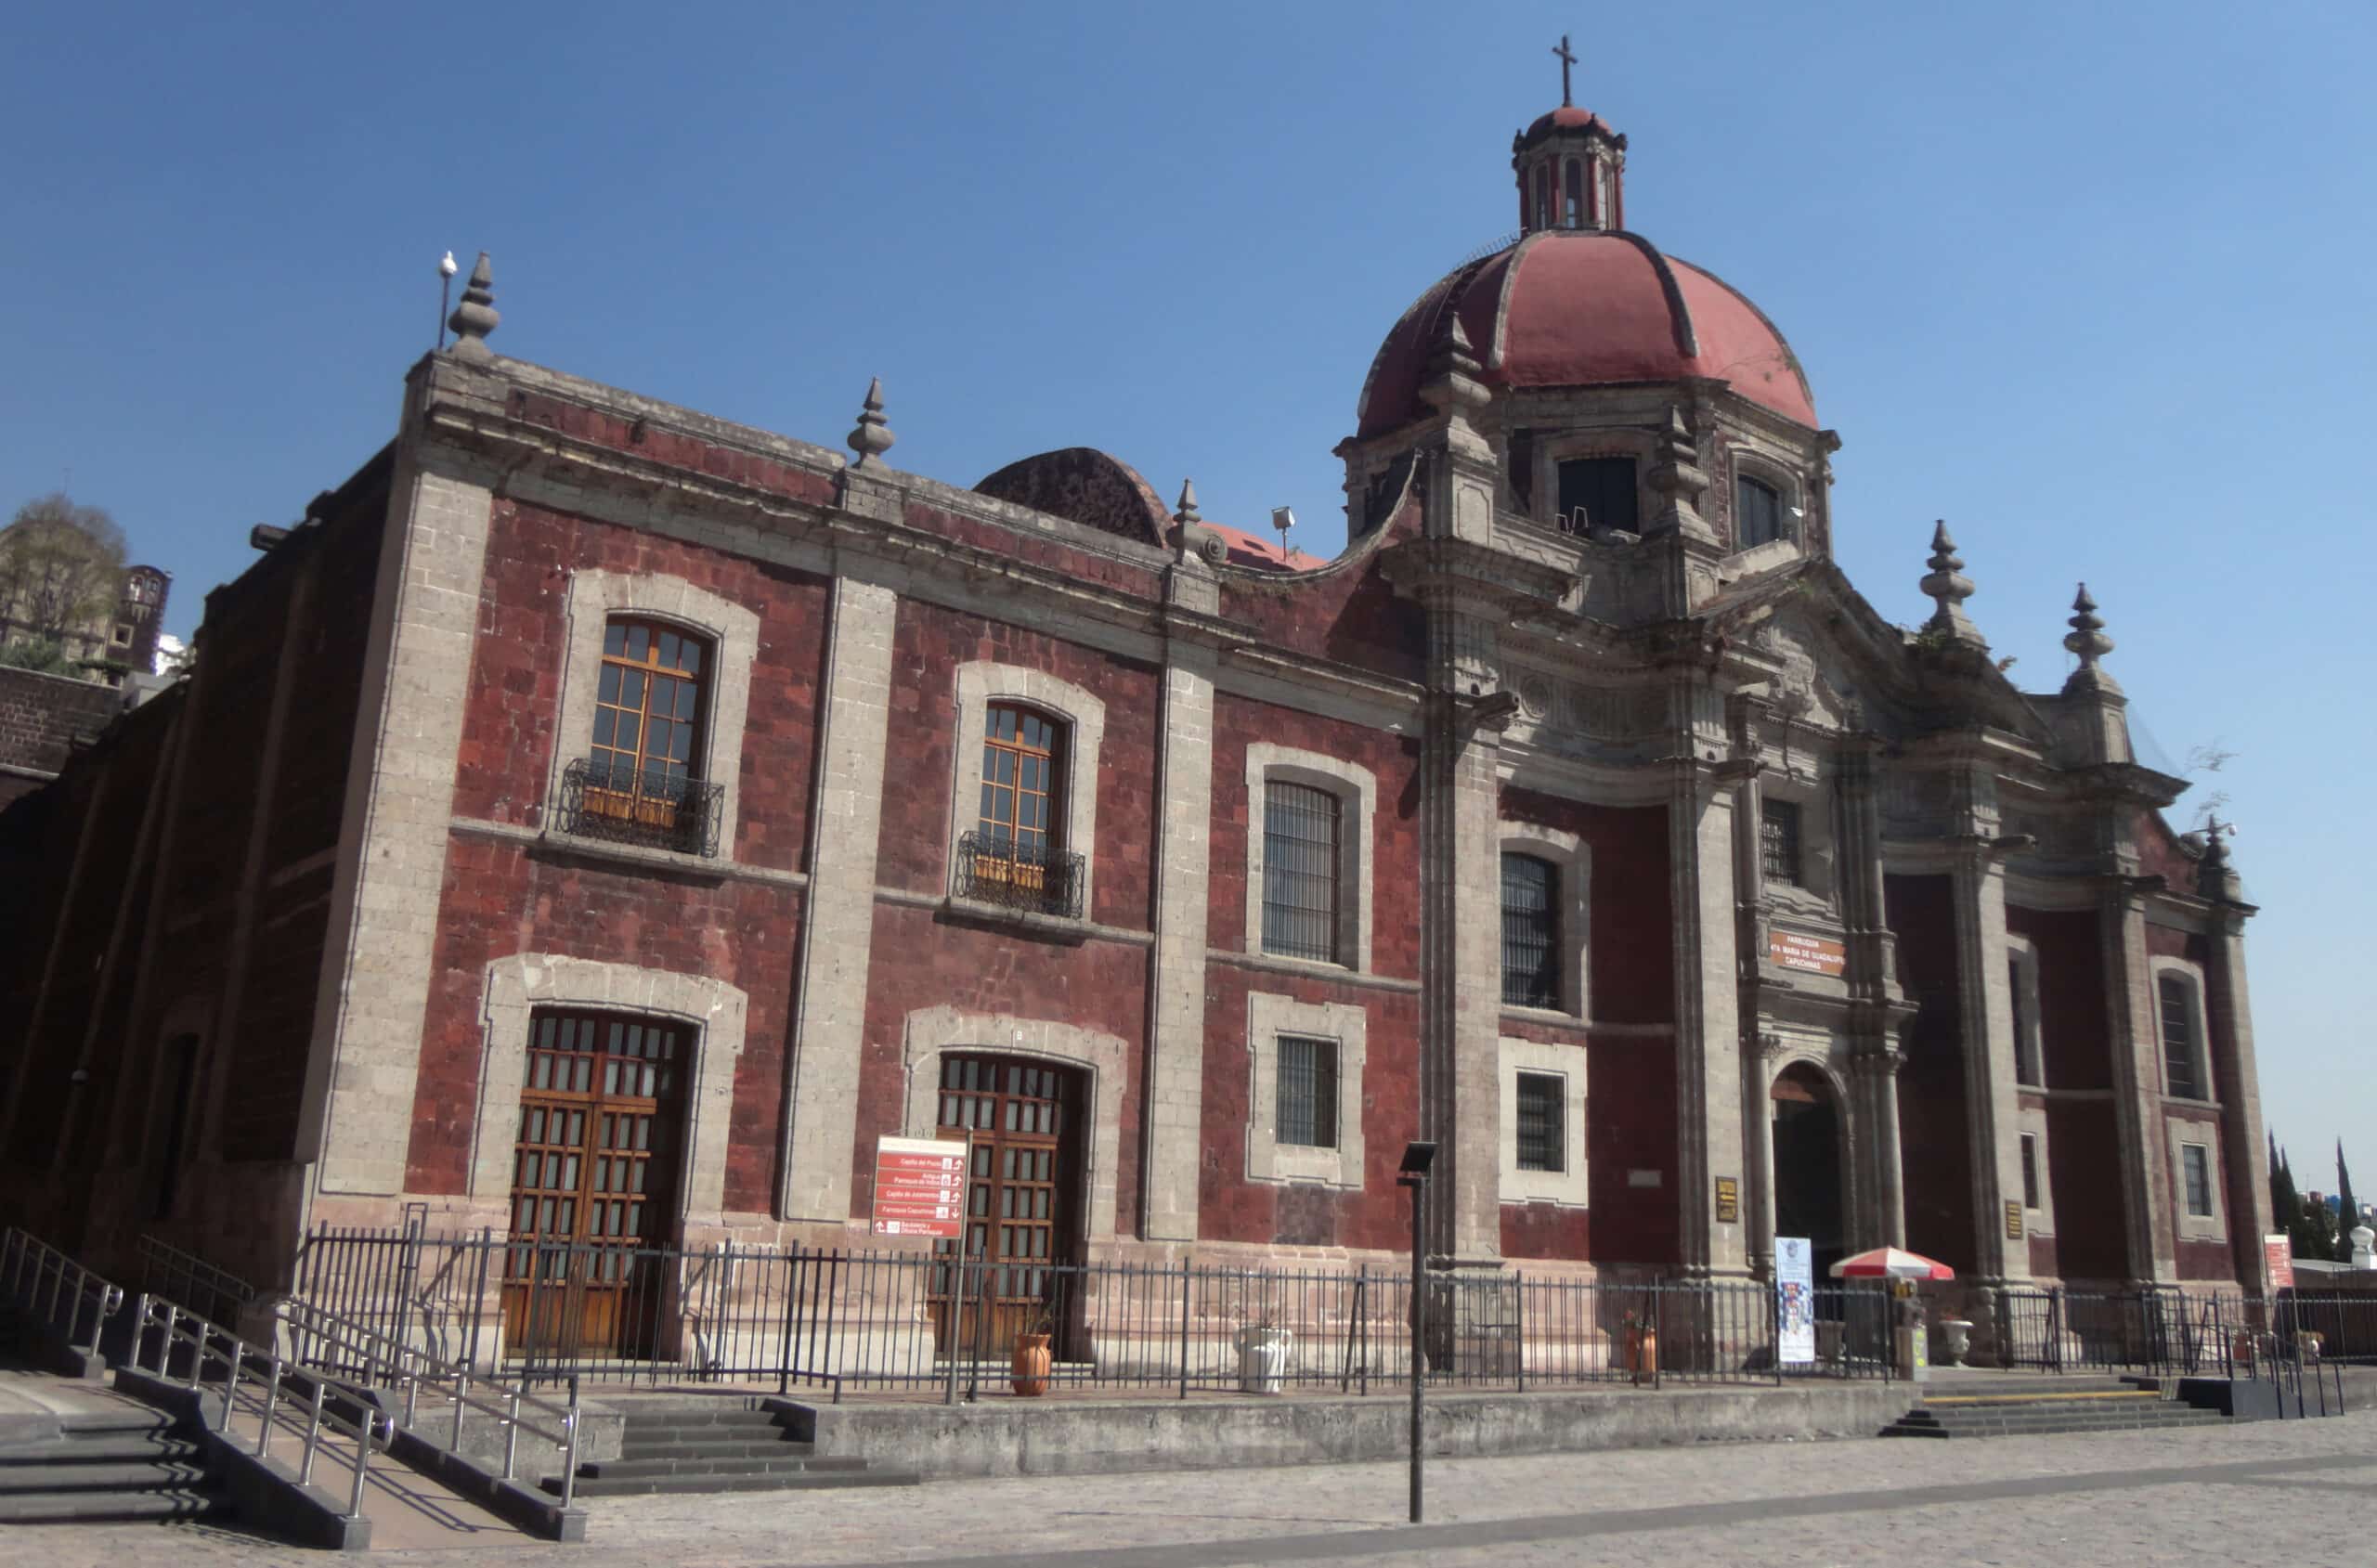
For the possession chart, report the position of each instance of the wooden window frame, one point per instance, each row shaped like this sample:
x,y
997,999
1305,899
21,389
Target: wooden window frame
x,y
621,670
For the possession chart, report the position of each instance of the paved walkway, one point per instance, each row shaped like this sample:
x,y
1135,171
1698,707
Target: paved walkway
x,y
2277,1493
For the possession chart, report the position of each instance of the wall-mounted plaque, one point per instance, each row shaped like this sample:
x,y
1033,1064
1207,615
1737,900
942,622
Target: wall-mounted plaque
x,y
1815,955
1729,1200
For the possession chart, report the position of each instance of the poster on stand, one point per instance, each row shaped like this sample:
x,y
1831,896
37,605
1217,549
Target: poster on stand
x,y
1795,1301
2277,1258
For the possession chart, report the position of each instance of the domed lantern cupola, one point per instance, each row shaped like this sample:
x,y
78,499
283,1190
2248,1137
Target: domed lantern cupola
x,y
1571,166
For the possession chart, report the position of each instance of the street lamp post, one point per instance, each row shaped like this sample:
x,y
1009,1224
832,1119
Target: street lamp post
x,y
1417,1157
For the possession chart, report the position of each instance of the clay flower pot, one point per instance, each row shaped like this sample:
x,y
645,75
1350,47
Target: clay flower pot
x,y
1030,1367
1642,1352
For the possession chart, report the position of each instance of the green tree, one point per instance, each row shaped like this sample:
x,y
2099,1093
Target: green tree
x,y
39,655
61,569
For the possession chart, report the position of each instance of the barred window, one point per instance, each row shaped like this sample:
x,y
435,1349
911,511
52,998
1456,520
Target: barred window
x,y
1308,1094
2181,1057
2197,1159
1778,841
1757,513
1301,869
1530,932
2030,1171
1542,1129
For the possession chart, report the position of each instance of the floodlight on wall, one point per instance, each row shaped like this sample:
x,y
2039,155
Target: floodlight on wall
x,y
1417,1157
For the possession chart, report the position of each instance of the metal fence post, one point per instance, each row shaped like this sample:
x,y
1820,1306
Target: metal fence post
x,y
1187,1277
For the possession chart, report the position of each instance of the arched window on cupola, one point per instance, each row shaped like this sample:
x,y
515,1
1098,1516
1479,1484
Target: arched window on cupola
x,y
1574,215
1604,197
1543,195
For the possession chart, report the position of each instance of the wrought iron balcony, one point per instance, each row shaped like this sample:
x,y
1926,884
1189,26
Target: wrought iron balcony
x,y
994,869
616,804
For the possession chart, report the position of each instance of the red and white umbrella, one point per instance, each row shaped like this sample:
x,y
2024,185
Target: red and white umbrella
x,y
1889,1262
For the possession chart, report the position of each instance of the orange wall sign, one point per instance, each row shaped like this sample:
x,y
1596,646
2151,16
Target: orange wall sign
x,y
1817,956
919,1188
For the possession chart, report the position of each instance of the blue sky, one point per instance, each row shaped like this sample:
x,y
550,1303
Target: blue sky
x,y
2086,281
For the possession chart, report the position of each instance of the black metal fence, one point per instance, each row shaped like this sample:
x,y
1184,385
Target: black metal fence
x,y
853,1319
617,803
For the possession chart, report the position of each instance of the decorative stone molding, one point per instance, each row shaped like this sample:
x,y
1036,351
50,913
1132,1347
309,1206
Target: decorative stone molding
x,y
1569,1186
516,986
733,633
1267,1160
1573,859
2198,1031
2177,1136
1356,789
980,684
930,1031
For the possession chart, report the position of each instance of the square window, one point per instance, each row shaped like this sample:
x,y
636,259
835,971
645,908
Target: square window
x,y
2196,1159
1307,1092
1542,1121
1597,493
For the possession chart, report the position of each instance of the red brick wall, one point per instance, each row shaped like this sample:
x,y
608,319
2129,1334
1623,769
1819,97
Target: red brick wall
x,y
1934,1142
1630,1078
1346,612
921,959
928,643
1230,1208
500,898
1394,762
2075,1041
40,716
514,693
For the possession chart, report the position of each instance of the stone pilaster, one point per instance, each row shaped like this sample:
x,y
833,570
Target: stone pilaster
x,y
1985,1005
837,929
2137,1084
1708,1067
1758,1124
1461,952
2229,1010
1175,1090
1877,1215
358,1109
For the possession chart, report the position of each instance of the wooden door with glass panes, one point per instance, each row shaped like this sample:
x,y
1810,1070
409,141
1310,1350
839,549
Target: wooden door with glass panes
x,y
1023,1120
593,1184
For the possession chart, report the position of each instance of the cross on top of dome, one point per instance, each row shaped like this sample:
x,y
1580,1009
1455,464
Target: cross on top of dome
x,y
1566,60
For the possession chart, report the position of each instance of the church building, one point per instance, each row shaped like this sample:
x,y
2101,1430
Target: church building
x,y
597,821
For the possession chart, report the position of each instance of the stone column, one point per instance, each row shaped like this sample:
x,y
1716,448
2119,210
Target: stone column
x,y
1884,1222
837,925
2149,1226
1985,1005
1757,1122
1175,1130
1708,1067
1877,1216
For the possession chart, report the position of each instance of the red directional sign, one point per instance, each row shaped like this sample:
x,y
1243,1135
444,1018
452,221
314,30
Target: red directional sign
x,y
919,1188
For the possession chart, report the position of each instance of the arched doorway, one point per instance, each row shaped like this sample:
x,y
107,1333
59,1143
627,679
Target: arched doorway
x,y
1808,1164
1024,1121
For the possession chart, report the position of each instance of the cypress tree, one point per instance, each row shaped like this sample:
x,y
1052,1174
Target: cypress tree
x,y
2347,1210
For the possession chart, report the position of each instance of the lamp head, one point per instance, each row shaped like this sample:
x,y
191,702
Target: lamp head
x,y
1417,1157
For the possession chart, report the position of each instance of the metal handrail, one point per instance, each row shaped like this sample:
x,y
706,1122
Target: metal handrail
x,y
28,1265
409,1371
209,1343
192,1273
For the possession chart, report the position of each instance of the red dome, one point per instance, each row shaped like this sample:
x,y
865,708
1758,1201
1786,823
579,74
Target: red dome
x,y
1568,117
1585,307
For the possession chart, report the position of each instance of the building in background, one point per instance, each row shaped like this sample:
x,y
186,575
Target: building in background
x,y
600,823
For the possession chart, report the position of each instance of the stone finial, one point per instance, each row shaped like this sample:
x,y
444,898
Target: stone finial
x,y
1677,479
2215,877
1450,384
872,436
475,317
1947,583
1190,536
2087,639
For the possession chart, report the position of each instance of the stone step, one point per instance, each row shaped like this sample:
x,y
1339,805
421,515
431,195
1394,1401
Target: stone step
x,y
724,1414
638,1447
804,1481
80,1476
104,1508
783,1464
105,1449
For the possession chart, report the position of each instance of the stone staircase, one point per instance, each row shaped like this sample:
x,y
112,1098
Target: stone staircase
x,y
719,1445
2041,1407
108,1468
